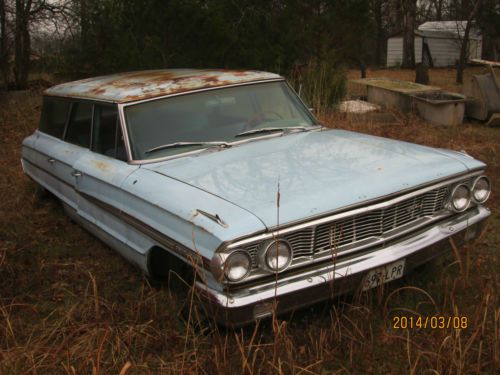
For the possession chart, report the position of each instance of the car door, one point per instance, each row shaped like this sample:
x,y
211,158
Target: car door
x,y
100,172
58,146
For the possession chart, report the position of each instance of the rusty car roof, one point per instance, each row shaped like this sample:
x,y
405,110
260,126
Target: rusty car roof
x,y
132,86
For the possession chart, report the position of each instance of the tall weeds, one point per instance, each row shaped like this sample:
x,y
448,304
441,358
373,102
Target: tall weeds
x,y
70,305
320,84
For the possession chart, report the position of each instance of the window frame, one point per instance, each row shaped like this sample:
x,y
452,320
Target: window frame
x,y
68,114
122,123
72,101
122,106
78,101
118,125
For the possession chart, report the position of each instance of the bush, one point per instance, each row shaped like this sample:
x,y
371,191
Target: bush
x,y
320,84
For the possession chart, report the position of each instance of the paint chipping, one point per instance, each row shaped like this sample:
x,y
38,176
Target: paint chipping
x,y
101,165
132,86
202,228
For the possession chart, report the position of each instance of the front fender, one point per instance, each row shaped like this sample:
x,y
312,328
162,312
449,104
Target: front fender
x,y
173,209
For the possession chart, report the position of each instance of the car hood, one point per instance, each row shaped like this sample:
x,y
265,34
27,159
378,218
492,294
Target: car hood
x,y
314,172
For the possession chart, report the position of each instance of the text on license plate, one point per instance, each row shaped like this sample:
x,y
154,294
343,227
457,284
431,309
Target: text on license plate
x,y
384,274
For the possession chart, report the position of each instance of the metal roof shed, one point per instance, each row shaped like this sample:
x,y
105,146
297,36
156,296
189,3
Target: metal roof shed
x,y
436,42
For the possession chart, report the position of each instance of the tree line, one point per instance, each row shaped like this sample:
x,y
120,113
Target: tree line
x,y
77,38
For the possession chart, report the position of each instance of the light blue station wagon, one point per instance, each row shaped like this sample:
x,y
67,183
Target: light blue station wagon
x,y
227,176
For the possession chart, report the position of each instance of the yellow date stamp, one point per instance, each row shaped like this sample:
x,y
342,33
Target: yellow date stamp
x,y
429,322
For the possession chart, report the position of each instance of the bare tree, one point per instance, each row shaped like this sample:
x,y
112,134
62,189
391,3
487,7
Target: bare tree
x,y
464,45
408,11
379,7
439,7
4,44
27,14
22,42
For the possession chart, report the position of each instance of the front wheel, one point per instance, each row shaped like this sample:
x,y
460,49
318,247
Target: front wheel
x,y
40,192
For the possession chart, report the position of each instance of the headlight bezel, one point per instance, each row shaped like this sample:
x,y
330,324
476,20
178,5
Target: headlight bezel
x,y
473,186
264,253
452,198
226,264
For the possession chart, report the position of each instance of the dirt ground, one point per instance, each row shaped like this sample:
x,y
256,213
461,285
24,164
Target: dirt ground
x,y
71,305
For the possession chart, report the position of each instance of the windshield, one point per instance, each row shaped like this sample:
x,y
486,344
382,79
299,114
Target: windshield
x,y
204,119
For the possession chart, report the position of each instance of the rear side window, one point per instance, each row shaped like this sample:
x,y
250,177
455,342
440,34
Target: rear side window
x,y
80,123
54,115
107,136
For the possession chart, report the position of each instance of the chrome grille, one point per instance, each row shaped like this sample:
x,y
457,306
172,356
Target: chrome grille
x,y
337,234
378,222
252,250
301,241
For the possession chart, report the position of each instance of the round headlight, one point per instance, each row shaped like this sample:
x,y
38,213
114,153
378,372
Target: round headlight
x,y
277,255
481,189
237,266
460,198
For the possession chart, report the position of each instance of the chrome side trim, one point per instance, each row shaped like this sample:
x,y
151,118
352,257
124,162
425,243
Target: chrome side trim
x,y
169,243
45,171
116,244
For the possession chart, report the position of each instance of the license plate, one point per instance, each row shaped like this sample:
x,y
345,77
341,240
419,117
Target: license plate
x,y
384,274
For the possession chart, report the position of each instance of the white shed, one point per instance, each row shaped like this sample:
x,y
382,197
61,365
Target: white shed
x,y
438,43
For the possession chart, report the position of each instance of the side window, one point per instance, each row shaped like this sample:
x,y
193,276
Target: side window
x,y
107,134
54,115
80,123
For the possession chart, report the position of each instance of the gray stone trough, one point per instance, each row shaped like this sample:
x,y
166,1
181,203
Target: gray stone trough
x,y
393,93
441,107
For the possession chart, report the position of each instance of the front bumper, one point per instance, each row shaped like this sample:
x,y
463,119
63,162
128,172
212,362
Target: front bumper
x,y
309,286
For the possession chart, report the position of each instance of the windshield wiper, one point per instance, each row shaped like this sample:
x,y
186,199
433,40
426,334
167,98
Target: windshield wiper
x,y
285,129
183,144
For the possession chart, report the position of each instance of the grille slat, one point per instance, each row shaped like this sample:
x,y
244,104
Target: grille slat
x,y
377,223
308,241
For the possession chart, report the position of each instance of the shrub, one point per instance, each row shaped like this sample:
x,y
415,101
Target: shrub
x,y
320,84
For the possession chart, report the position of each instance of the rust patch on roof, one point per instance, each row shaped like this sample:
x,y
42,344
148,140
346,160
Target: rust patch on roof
x,y
98,91
132,86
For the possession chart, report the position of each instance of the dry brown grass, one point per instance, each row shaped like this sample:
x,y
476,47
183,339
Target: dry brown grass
x,y
70,305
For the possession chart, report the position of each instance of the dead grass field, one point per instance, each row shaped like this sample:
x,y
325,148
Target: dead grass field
x,y
70,305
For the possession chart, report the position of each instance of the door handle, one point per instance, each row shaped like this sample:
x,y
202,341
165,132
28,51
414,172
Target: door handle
x,y
76,173
51,160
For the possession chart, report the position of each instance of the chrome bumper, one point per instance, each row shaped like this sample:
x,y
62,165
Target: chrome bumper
x,y
330,279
